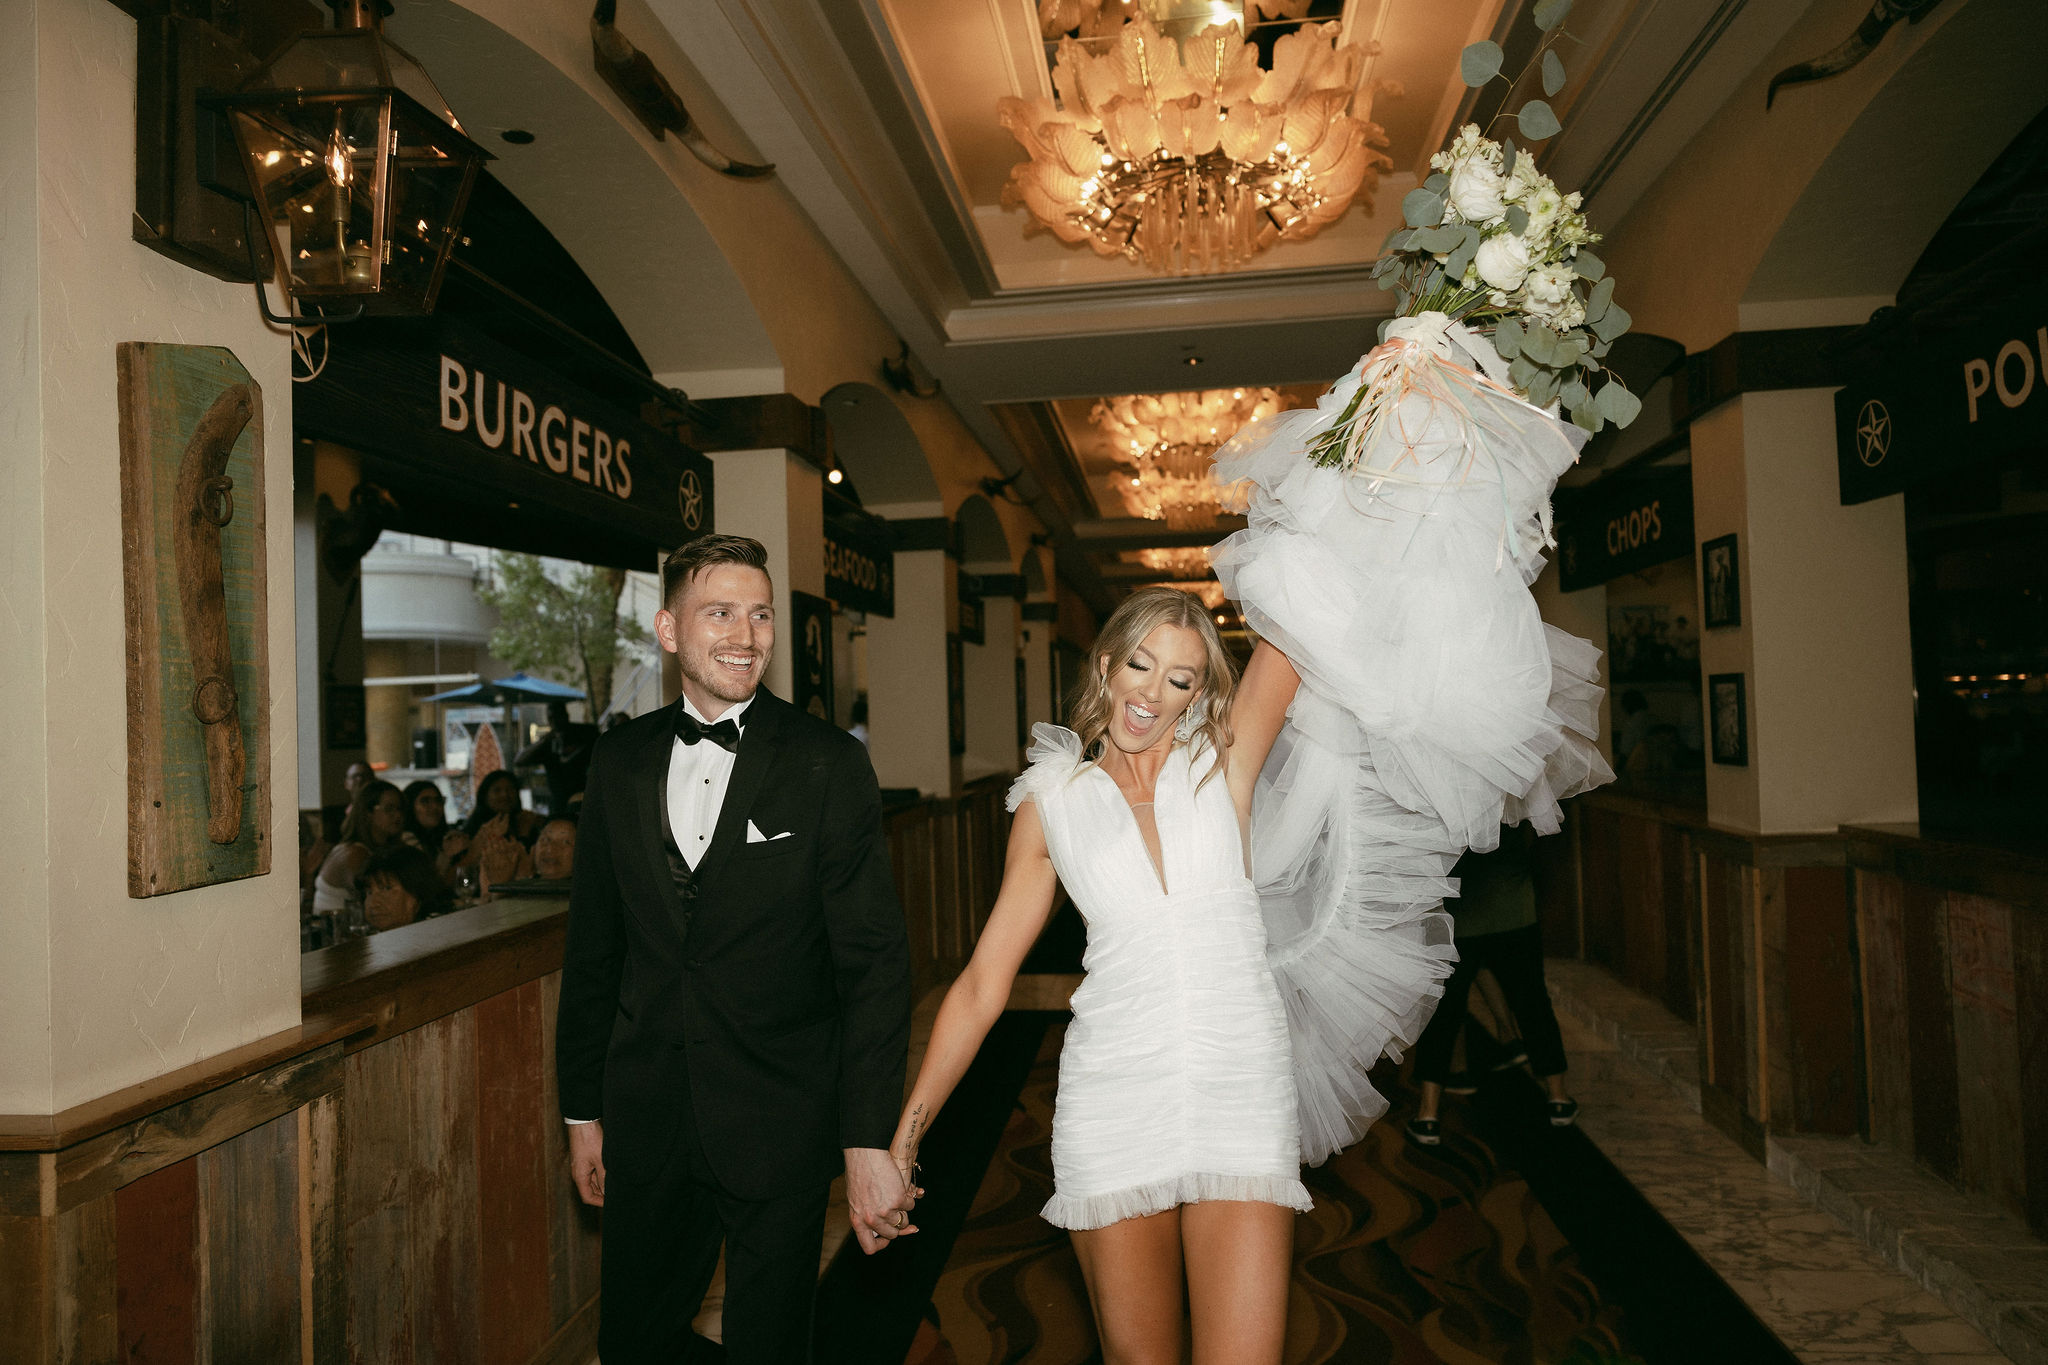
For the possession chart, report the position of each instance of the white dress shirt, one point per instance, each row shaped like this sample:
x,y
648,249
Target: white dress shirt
x,y
697,777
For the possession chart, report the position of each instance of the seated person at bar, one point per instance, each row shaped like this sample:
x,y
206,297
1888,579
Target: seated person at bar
x,y
563,753
554,852
497,805
401,884
427,828
375,820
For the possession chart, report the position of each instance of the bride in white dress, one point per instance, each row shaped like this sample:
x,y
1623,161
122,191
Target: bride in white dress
x,y
1176,1142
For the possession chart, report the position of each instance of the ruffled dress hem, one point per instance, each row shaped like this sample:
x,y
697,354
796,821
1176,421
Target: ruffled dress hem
x,y
1083,1214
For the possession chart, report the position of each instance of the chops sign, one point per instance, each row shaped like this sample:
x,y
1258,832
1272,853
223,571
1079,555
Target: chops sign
x,y
1615,526
1968,394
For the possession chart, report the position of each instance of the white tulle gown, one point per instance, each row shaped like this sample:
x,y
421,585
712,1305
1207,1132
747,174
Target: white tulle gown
x,y
1435,706
1177,1077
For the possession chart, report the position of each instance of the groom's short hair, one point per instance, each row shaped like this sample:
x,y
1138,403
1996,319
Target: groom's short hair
x,y
695,556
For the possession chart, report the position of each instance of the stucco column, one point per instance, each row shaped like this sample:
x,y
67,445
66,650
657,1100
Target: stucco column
x,y
906,660
1824,643
991,669
776,497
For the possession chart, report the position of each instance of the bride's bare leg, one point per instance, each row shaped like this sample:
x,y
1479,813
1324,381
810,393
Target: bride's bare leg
x,y
1239,1256
1134,1285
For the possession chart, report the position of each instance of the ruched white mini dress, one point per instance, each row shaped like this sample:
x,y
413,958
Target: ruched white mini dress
x,y
1177,1077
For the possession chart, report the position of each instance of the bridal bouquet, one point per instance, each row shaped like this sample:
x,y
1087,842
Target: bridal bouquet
x,y
1492,261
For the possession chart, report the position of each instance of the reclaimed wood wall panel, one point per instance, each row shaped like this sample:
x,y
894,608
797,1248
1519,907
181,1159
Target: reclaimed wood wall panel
x,y
250,1305
25,1266
323,1258
1931,1032
441,1062
88,1322
376,1223
1987,1048
1604,919
512,1126
1675,883
156,1266
1881,934
573,1241
1821,1015
1723,911
2030,1010
1641,877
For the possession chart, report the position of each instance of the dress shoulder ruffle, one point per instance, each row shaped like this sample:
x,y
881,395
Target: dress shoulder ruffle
x,y
1052,760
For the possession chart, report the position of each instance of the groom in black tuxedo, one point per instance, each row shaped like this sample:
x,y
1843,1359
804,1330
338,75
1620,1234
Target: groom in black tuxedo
x,y
736,988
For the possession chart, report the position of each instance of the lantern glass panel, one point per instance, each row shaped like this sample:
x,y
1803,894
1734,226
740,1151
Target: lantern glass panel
x,y
430,178
326,60
314,166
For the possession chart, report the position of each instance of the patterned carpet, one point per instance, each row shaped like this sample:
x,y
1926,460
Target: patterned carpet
x,y
1409,1256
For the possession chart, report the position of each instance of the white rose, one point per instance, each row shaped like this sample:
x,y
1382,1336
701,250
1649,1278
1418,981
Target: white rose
x,y
1544,204
1474,191
1503,259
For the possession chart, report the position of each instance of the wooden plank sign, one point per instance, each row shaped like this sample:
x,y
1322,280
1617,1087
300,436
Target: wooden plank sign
x,y
193,572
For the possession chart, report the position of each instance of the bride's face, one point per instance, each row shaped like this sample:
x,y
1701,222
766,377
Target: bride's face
x,y
1150,690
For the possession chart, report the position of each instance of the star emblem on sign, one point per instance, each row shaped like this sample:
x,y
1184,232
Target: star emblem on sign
x,y
690,499
309,352
1873,433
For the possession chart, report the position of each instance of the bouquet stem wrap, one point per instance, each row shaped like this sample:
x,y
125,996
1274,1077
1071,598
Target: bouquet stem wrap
x,y
1393,534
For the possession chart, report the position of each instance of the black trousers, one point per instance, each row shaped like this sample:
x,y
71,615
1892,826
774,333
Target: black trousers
x,y
1516,960
661,1239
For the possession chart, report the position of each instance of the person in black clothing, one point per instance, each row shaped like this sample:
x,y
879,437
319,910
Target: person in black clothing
x,y
1495,915
735,1006
563,753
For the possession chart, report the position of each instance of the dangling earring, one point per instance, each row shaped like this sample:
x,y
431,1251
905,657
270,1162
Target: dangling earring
x,y
1190,720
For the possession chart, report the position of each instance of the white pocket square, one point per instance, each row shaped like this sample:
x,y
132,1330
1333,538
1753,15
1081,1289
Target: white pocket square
x,y
755,836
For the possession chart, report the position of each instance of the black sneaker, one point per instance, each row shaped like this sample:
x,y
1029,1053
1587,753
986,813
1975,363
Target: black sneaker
x,y
1563,1113
1425,1132
1460,1083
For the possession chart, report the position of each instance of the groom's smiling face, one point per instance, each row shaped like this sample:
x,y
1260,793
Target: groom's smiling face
x,y
722,631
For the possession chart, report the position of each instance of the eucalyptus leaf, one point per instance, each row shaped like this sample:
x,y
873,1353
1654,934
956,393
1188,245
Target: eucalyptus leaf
x,y
1553,72
1543,388
1575,393
1480,62
1460,259
1617,404
1385,323
1539,343
1538,121
1612,323
1437,182
1600,349
1521,371
1590,267
1569,352
1518,219
1507,157
1422,208
1597,302
1437,239
1584,414
1550,13
1507,338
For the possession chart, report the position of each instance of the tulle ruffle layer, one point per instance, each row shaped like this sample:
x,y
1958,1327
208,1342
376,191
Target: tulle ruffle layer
x,y
1080,1213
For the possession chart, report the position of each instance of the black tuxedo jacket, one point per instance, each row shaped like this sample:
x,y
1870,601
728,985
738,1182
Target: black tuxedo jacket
x,y
777,990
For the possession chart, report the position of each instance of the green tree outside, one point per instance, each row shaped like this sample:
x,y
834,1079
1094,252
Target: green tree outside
x,y
565,623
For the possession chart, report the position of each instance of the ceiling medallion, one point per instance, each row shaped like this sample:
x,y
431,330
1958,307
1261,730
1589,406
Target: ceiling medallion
x,y
1186,155
1166,446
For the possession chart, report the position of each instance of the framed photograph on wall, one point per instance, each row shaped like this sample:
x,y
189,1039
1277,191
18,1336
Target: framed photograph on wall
x,y
1728,719
1720,583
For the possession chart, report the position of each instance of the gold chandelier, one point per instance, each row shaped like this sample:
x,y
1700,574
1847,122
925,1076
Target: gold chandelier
x,y
1191,565
1167,443
1188,156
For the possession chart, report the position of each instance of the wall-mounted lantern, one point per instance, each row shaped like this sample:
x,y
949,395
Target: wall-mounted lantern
x,y
358,168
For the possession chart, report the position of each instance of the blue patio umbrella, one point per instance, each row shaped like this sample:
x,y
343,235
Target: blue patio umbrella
x,y
520,687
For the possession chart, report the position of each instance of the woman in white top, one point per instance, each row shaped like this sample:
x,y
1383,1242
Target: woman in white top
x,y
1175,1138
375,820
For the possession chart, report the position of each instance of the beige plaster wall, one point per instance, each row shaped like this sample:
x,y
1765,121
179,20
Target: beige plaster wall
x,y
98,991
776,498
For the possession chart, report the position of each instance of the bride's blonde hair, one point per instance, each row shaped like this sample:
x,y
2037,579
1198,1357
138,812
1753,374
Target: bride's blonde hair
x,y
1144,611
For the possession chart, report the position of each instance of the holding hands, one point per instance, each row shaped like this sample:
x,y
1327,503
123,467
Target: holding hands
x,y
879,1197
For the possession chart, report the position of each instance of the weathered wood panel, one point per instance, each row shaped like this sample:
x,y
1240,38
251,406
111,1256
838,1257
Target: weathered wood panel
x,y
25,1318
156,1267
1821,1015
1880,901
1728,975
442,1198
1987,1048
511,1127
322,1174
250,1307
82,1286
1931,1032
1605,918
377,1229
2030,1008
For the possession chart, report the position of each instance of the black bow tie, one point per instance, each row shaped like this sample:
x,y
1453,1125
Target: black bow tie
x,y
724,733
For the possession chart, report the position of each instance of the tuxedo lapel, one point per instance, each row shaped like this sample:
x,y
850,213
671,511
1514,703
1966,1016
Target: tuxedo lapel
x,y
649,781
760,738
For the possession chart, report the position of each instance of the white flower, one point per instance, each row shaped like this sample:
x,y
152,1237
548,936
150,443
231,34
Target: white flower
x,y
1475,191
1544,204
1503,260
1548,286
